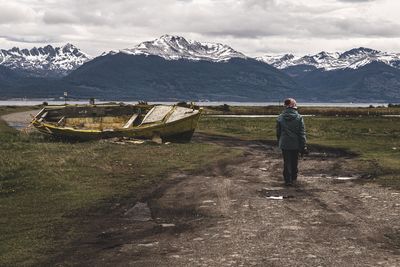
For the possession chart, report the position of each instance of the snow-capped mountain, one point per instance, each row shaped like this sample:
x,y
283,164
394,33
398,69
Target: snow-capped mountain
x,y
176,47
352,59
44,61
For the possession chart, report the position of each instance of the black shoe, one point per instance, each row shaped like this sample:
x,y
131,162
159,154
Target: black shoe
x,y
288,184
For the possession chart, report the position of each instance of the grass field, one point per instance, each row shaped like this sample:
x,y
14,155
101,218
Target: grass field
x,y
322,111
375,139
43,182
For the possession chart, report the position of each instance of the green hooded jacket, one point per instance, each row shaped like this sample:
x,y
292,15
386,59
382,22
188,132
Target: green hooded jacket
x,y
290,130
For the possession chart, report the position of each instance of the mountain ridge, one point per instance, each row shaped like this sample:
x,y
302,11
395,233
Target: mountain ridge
x,y
59,61
174,68
173,47
153,77
328,61
47,61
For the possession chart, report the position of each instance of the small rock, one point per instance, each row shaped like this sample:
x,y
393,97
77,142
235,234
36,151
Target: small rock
x,y
156,139
167,225
137,142
139,212
198,239
148,245
291,227
275,197
344,178
274,259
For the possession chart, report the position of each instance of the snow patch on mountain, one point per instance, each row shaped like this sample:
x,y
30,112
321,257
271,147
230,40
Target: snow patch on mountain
x,y
44,61
172,47
352,59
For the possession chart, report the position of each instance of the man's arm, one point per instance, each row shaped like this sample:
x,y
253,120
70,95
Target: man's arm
x,y
278,130
302,135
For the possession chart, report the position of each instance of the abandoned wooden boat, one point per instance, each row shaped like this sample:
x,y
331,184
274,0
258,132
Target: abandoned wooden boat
x,y
85,122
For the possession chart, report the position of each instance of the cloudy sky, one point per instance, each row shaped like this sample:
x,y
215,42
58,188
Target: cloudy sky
x,y
254,27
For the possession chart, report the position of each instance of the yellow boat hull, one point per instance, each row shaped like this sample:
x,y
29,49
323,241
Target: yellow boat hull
x,y
176,131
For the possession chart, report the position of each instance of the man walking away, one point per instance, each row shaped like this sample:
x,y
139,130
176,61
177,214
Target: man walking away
x,y
291,135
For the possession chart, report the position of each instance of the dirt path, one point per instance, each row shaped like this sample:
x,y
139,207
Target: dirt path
x,y
223,217
19,120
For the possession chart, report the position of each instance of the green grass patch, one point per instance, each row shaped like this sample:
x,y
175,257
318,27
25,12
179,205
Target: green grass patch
x,y
43,182
322,111
375,139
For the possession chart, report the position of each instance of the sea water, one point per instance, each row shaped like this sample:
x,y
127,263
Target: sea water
x,y
34,102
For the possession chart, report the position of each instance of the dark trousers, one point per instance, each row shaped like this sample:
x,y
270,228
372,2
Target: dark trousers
x,y
290,161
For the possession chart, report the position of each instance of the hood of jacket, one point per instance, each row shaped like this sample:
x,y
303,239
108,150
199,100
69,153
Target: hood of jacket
x,y
290,114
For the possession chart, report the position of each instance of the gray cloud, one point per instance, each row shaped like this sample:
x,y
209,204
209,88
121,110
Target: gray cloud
x,y
28,39
356,1
253,26
15,13
59,17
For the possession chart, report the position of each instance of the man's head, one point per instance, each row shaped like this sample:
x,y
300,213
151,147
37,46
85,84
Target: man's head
x,y
290,103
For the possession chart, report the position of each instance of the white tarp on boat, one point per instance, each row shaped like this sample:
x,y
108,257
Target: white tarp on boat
x,y
180,113
157,113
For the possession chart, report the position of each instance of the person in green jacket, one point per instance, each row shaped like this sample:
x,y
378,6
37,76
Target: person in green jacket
x,y
291,135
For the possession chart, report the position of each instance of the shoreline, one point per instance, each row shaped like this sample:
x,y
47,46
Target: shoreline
x,y
35,102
